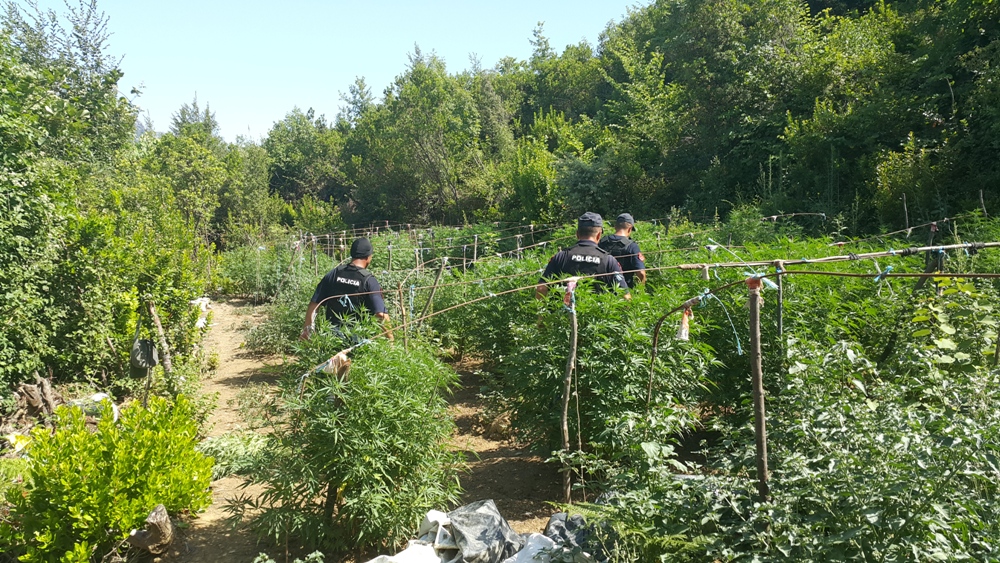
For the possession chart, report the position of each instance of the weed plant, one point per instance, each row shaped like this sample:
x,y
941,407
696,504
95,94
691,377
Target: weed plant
x,y
352,465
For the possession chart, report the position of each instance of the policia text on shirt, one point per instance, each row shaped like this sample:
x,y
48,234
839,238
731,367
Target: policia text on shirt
x,y
348,290
585,259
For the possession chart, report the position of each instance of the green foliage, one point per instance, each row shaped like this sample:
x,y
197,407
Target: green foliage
x,y
87,489
235,453
353,464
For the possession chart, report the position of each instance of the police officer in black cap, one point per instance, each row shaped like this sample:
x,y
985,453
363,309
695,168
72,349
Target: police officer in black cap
x,y
626,250
585,258
347,290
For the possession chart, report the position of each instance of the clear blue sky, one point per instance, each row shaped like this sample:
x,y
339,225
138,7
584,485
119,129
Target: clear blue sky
x,y
253,61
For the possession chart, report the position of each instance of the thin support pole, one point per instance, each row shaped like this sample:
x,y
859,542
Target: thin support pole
x,y
402,315
568,391
475,248
906,212
757,372
464,248
996,351
779,266
390,257
983,204
437,280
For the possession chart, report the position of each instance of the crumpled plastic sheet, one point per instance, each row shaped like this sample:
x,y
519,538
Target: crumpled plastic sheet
x,y
574,532
482,534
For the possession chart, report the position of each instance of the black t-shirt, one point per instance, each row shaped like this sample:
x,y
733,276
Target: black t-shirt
x,y
344,290
585,258
628,254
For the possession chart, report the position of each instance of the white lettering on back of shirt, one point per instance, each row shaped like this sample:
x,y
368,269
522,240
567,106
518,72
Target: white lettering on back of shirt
x,y
584,258
355,283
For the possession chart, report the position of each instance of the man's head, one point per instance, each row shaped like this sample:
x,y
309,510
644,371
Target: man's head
x,y
589,226
625,222
361,251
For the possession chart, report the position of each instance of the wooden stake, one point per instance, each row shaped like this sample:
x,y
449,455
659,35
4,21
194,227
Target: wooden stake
x,y
390,257
168,366
430,298
757,372
475,248
983,203
464,248
567,391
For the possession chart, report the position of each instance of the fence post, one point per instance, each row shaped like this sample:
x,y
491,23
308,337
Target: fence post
x,y
402,315
416,256
757,372
475,248
464,248
390,257
519,255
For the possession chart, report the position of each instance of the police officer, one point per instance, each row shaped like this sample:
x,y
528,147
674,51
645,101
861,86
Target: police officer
x,y
584,258
347,290
626,250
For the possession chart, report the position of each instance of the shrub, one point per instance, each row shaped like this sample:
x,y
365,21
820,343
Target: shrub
x,y
87,489
354,464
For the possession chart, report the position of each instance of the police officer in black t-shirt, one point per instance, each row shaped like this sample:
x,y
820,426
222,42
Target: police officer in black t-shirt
x,y
584,258
626,250
347,290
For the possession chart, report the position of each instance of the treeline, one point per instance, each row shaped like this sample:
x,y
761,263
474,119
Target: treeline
x,y
838,107
699,106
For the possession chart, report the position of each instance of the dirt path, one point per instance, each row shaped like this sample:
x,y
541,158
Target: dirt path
x,y
519,482
210,539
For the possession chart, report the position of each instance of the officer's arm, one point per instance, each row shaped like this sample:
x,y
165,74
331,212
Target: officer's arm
x,y
541,290
310,317
619,279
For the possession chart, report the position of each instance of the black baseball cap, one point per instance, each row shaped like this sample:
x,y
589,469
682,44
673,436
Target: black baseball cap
x,y
626,218
590,219
361,248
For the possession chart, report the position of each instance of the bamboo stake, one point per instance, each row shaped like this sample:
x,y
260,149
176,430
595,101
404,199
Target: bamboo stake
x,y
757,371
475,247
906,212
567,391
390,257
983,203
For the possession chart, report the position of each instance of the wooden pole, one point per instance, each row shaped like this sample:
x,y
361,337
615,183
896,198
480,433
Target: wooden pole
x,y
437,280
518,238
757,372
475,248
983,203
416,256
168,366
779,266
390,257
464,248
567,391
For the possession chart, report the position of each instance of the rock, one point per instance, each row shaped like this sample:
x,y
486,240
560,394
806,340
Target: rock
x,y
158,534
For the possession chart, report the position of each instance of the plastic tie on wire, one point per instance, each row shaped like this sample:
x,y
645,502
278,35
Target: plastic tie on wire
x,y
756,276
569,299
853,256
882,275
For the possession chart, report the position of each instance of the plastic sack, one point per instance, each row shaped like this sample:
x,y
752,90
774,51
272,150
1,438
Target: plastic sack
x,y
533,551
415,552
482,534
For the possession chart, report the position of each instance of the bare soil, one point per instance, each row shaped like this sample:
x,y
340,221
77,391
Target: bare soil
x,y
519,482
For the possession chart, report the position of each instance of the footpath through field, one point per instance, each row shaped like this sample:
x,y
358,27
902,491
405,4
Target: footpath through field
x,y
520,482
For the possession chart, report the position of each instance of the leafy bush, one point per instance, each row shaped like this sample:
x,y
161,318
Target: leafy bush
x,y
87,489
354,464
